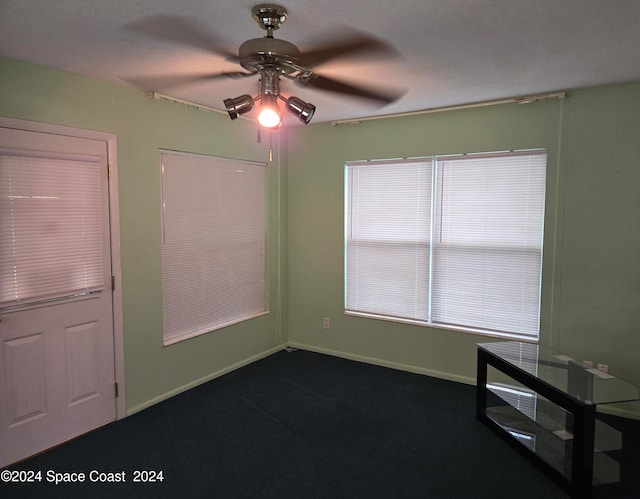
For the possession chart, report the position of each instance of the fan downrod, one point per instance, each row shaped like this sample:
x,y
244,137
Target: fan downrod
x,y
269,16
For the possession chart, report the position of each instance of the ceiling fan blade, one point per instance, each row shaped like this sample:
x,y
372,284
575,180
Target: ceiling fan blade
x,y
333,85
161,82
354,42
182,30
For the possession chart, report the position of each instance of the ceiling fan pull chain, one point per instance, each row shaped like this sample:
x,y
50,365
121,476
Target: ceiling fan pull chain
x,y
270,147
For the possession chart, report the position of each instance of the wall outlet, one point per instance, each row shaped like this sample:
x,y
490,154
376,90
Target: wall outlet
x,y
326,323
603,367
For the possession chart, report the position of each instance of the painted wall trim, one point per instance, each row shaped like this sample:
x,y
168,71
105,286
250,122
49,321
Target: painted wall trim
x,y
512,100
612,410
385,363
619,411
205,379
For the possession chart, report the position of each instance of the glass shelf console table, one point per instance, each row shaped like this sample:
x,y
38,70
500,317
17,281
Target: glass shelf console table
x,y
544,404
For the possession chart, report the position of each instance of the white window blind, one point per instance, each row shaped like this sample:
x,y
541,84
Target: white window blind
x,y
51,230
488,249
454,242
213,248
388,238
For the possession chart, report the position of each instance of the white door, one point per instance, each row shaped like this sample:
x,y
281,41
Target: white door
x,y
56,313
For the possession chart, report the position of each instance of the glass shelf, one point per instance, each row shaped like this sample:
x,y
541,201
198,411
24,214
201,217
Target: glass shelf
x,y
584,384
544,404
545,428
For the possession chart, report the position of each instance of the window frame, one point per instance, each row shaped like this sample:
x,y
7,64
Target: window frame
x,y
245,224
429,321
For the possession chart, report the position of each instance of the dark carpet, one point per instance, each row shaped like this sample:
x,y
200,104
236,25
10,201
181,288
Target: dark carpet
x,y
304,425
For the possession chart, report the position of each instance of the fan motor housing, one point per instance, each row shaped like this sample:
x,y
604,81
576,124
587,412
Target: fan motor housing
x,y
257,53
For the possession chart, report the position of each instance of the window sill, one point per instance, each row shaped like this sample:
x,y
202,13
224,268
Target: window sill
x,y
446,327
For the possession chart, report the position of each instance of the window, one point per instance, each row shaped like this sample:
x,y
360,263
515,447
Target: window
x,y
213,243
453,241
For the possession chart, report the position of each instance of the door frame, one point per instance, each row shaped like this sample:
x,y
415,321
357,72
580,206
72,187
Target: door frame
x,y
114,232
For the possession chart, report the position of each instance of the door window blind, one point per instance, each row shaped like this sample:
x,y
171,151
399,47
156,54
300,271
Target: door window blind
x,y
51,230
213,248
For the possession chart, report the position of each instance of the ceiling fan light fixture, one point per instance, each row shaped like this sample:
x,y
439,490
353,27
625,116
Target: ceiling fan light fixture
x,y
270,115
301,109
269,58
238,106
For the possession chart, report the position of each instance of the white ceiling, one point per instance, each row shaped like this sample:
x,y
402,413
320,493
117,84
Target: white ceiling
x,y
453,51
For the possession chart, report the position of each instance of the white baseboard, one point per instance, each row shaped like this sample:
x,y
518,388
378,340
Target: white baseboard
x,y
619,411
611,410
204,379
605,409
385,363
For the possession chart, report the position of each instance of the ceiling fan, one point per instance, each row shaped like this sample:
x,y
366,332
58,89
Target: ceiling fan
x,y
271,59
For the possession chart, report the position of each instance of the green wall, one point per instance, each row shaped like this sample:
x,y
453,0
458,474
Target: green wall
x,y
152,371
598,314
591,278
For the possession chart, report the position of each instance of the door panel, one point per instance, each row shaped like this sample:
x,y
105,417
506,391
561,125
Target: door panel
x,y
25,379
57,373
82,362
